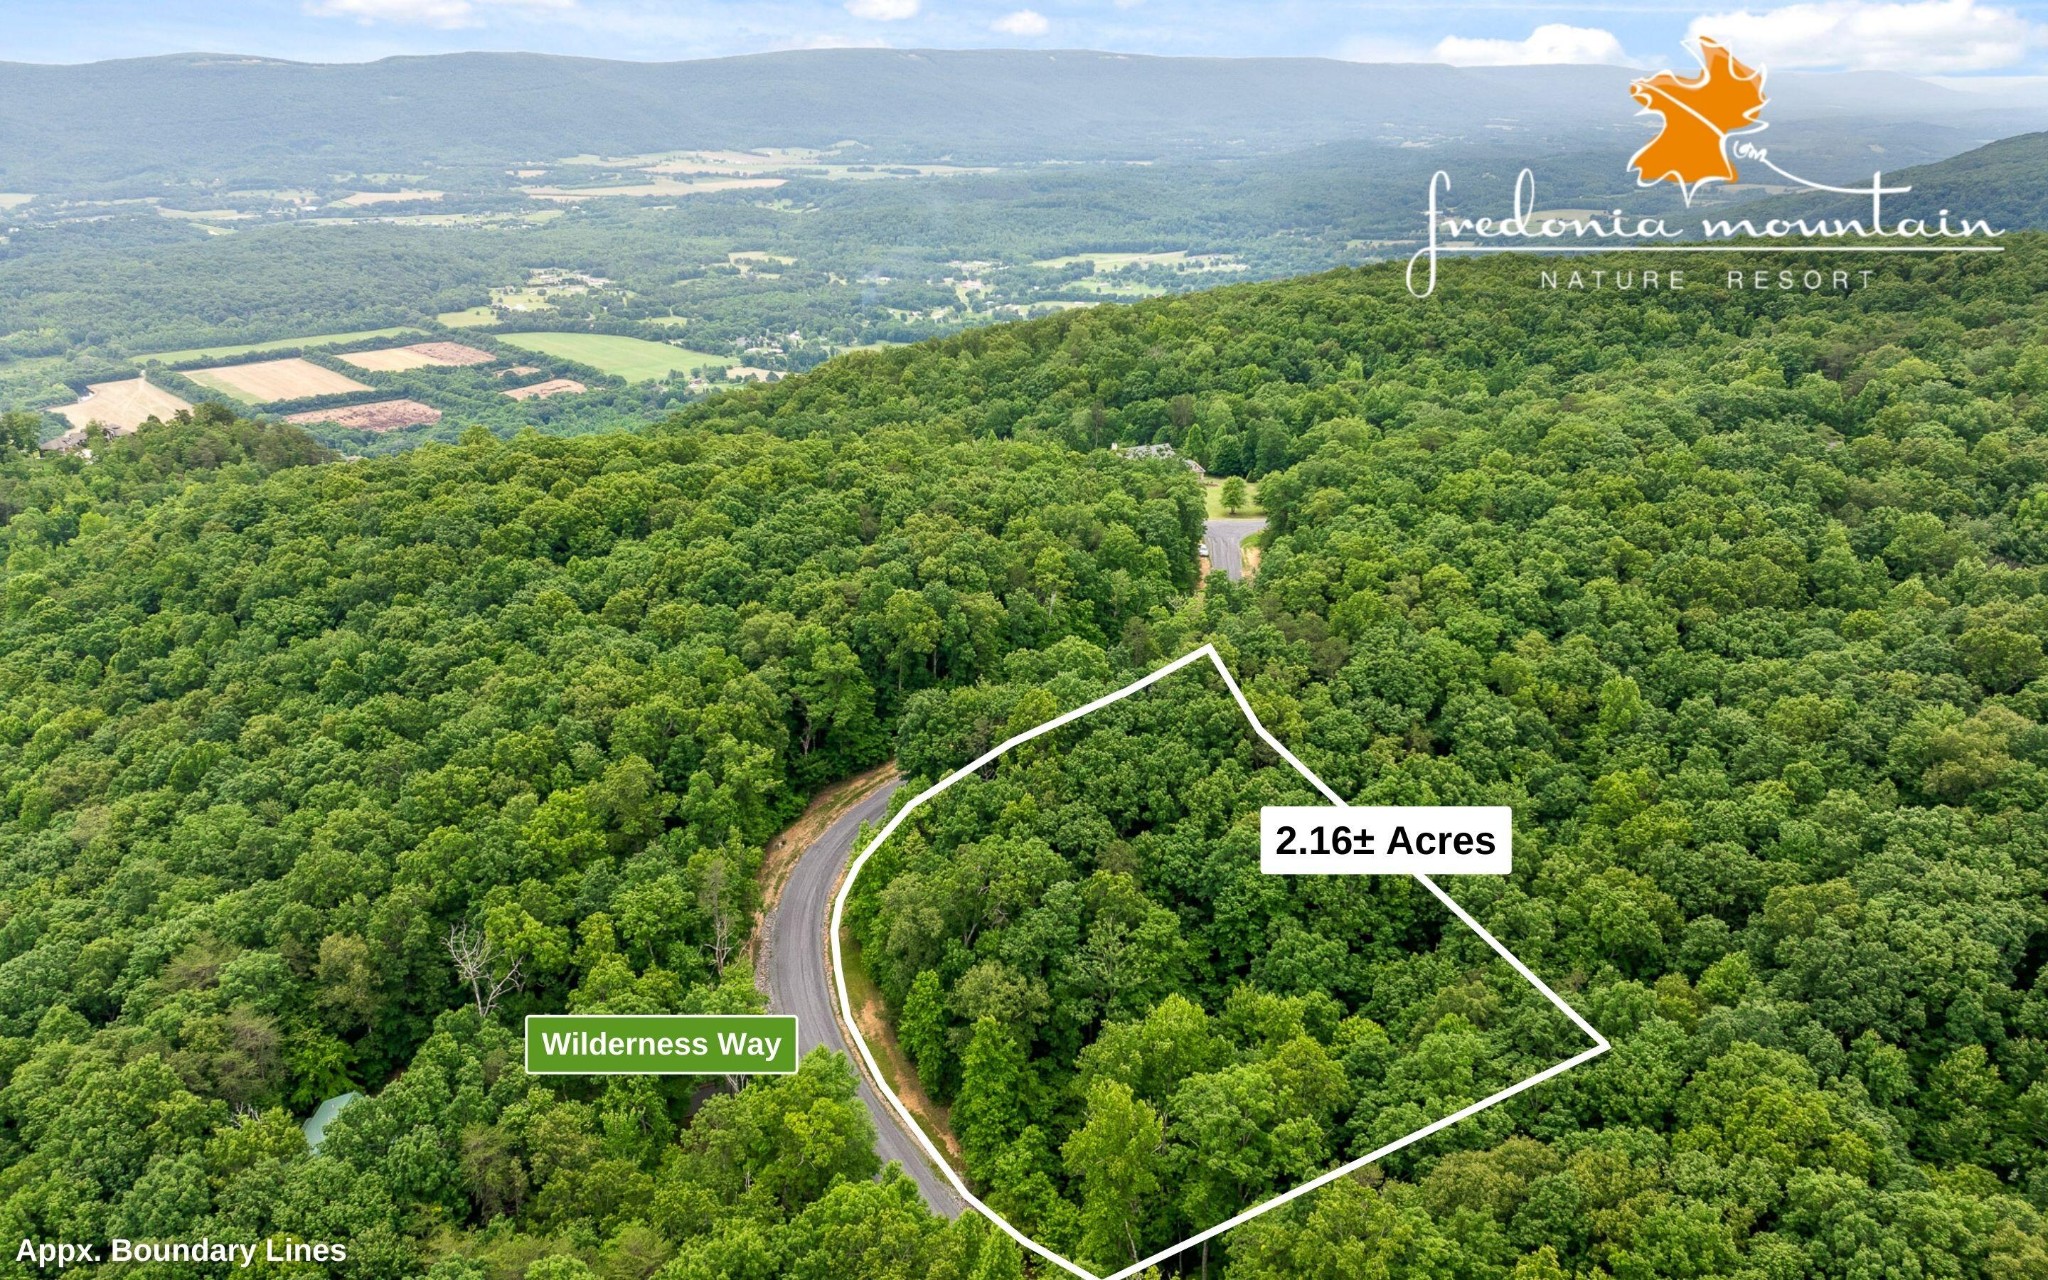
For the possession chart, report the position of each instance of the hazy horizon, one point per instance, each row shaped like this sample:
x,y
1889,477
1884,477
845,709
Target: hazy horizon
x,y
1949,38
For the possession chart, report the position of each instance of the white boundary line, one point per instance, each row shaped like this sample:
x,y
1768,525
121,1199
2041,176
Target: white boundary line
x,y
910,1125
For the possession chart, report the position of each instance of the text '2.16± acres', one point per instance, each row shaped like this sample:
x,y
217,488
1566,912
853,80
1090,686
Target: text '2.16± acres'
x,y
1322,840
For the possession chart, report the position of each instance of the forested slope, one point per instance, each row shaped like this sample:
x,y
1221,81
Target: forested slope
x,y
271,735
1737,597
1140,1033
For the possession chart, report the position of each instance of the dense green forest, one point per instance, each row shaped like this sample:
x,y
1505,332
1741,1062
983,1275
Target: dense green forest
x,y
1139,1033
1735,596
276,728
1736,599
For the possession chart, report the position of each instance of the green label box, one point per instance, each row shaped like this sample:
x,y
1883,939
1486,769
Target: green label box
x,y
661,1044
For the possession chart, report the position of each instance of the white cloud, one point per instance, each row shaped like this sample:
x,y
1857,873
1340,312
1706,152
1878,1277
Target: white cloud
x,y
424,13
882,10
1924,37
1024,22
1553,42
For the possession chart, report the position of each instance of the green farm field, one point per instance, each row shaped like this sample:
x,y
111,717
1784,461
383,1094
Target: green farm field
x,y
634,359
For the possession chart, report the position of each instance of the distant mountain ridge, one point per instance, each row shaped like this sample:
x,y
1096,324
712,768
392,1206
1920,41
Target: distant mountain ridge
x,y
191,114
2004,183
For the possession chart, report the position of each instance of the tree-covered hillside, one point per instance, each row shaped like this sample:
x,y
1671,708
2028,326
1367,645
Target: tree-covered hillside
x,y
279,734
1139,1033
1738,600
1999,183
1738,596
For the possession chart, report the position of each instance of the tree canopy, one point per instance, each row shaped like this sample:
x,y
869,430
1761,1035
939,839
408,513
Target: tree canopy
x,y
1735,596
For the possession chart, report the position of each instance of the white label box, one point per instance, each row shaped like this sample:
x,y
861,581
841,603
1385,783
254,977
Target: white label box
x,y
1386,840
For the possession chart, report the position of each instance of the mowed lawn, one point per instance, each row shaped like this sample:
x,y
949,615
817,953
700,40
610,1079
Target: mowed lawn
x,y
634,359
1212,492
246,348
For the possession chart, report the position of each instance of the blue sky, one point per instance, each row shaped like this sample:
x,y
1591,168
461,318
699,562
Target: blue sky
x,y
1951,37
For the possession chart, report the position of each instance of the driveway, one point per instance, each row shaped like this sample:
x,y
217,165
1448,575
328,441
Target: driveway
x,y
1226,544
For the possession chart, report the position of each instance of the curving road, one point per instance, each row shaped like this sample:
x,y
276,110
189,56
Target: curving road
x,y
797,968
1226,544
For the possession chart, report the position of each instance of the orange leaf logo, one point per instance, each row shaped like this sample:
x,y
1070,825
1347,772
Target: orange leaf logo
x,y
1700,113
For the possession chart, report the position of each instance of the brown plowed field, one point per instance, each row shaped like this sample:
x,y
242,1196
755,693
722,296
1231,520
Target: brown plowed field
x,y
378,415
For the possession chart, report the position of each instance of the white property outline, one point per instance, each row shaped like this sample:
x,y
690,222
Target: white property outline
x,y
910,1125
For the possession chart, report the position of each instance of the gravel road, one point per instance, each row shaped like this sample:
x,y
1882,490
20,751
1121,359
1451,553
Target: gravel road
x,y
798,967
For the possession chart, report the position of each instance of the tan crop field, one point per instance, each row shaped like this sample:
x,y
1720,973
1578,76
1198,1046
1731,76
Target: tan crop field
x,y
266,381
380,415
418,355
388,359
122,405
542,390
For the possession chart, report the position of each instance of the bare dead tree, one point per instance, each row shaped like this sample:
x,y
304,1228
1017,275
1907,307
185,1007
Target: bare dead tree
x,y
475,957
716,898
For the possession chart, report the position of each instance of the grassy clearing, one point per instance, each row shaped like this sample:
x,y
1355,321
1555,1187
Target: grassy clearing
x,y
1212,494
473,318
246,348
634,359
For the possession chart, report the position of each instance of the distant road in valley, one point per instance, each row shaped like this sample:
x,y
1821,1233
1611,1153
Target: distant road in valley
x,y
798,969
1226,544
